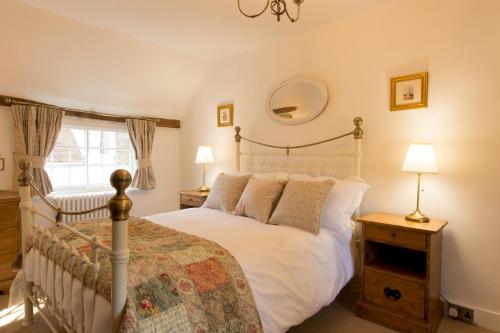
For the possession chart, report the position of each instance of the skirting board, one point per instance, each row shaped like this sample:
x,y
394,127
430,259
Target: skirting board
x,y
487,319
484,318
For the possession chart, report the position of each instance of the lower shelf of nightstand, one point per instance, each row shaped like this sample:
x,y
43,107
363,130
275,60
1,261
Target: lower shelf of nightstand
x,y
396,321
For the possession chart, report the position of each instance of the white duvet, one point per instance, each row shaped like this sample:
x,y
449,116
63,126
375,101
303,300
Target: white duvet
x,y
292,273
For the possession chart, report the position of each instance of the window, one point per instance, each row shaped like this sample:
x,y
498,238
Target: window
x,y
84,157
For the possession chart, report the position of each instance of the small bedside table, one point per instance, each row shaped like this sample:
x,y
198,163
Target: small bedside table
x,y
192,199
10,235
401,268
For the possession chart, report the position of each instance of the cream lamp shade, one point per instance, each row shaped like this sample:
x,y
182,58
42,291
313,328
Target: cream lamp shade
x,y
420,158
204,155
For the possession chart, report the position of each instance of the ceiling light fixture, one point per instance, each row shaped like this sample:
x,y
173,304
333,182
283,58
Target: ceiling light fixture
x,y
278,8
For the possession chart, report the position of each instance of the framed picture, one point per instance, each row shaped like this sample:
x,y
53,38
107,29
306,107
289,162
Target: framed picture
x,y
409,91
225,115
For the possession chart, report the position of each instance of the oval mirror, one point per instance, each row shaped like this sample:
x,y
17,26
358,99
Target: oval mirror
x,y
297,101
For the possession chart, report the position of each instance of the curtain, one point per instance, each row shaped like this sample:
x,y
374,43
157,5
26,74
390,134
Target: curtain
x,y
142,134
36,129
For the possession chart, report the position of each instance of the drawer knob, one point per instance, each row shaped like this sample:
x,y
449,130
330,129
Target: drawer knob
x,y
393,234
392,294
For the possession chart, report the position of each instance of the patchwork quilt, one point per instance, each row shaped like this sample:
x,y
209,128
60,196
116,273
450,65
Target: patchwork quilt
x,y
176,282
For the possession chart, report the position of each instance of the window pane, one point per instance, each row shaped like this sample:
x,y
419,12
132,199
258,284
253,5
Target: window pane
x,y
78,135
122,157
94,139
108,170
60,177
79,157
126,167
94,156
60,156
109,157
66,147
78,176
122,140
95,175
109,139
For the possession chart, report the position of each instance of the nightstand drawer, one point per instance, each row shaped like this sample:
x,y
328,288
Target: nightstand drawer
x,y
10,214
10,240
400,295
405,238
193,201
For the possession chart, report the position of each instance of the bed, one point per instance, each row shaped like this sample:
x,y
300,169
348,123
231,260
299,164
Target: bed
x,y
292,274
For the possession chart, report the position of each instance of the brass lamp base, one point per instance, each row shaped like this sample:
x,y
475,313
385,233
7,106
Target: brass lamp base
x,y
417,216
203,189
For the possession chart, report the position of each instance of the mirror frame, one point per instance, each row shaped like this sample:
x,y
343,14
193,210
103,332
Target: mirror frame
x,y
314,113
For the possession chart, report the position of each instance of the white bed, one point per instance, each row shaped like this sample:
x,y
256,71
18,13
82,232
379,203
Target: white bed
x,y
292,273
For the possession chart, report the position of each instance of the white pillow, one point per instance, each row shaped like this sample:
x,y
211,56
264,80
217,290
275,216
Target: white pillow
x,y
341,203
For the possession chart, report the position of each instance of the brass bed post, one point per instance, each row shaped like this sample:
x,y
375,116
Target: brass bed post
x,y
25,206
356,243
119,207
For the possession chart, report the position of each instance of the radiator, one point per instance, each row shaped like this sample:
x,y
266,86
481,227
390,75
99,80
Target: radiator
x,y
76,202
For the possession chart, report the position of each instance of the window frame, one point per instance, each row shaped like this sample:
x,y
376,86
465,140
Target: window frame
x,y
88,126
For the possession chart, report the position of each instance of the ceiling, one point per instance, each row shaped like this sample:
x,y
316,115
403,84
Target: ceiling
x,y
209,30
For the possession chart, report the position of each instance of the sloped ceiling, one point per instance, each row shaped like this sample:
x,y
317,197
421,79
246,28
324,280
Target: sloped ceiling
x,y
208,29
54,59
136,56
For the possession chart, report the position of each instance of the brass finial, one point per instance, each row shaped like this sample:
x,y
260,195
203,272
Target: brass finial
x,y
358,131
120,204
237,136
24,165
24,175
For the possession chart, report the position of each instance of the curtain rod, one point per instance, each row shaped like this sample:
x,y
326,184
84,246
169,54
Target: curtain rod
x,y
160,122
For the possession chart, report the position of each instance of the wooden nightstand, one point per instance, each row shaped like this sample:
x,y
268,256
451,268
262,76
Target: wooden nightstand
x,y
401,268
192,199
10,236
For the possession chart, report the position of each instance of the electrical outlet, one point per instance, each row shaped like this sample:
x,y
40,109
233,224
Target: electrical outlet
x,y
466,314
461,313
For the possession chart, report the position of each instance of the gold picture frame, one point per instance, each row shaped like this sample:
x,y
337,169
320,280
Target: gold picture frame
x,y
225,115
410,91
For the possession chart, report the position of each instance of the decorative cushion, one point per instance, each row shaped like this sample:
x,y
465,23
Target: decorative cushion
x,y
301,204
341,203
226,192
259,198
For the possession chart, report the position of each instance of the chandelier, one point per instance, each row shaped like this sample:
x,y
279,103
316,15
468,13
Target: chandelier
x,y
278,8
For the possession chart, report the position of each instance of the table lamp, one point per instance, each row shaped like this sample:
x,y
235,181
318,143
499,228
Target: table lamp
x,y
204,156
419,159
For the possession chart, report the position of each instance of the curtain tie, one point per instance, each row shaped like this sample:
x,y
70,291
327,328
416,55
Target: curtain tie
x,y
144,163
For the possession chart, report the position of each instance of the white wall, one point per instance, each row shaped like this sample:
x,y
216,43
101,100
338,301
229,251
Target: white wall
x,y
457,41
53,59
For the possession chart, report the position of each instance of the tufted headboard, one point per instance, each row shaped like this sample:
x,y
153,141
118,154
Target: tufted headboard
x,y
298,162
